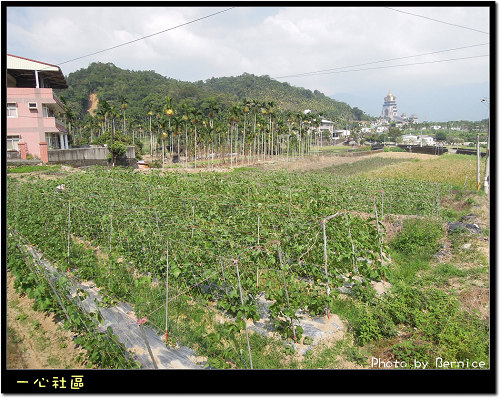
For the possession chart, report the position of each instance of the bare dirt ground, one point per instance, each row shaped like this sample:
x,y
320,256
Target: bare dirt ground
x,y
297,164
470,253
321,162
36,340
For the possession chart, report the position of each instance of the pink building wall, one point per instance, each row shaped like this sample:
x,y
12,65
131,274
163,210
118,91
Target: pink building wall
x,y
29,124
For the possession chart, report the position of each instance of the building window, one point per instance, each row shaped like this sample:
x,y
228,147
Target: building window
x,y
12,141
53,141
11,109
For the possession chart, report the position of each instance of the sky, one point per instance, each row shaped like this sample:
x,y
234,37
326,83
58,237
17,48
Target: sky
x,y
352,54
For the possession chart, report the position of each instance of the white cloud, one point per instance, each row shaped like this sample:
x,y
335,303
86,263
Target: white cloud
x,y
272,41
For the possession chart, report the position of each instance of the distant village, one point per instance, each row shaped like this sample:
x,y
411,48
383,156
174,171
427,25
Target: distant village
x,y
37,126
388,119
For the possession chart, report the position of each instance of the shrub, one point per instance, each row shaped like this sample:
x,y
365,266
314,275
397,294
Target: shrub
x,y
464,337
116,150
411,351
418,238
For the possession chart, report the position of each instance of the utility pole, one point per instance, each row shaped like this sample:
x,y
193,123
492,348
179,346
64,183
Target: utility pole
x,y
478,155
487,166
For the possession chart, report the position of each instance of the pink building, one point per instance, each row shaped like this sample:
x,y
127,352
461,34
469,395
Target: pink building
x,y
34,113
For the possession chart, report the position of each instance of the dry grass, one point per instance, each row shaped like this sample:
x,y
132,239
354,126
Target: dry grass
x,y
459,170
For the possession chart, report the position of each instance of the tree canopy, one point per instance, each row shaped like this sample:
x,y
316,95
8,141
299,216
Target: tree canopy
x,y
147,90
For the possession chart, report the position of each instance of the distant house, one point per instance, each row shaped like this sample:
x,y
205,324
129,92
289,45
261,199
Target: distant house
x,y
426,140
410,139
326,125
34,113
341,134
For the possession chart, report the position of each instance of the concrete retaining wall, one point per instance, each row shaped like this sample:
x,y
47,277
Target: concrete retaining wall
x,y
78,157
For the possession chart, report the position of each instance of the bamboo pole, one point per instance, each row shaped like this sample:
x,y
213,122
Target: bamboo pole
x,y
378,235
286,290
352,242
110,247
147,343
166,302
69,227
323,223
258,245
244,317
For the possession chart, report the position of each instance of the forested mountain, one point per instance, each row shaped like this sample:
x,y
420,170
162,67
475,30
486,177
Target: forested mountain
x,y
145,91
285,96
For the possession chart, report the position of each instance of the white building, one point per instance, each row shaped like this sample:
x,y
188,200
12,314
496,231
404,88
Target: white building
x,y
426,140
389,109
410,139
341,134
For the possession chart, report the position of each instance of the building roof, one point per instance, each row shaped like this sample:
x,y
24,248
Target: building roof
x,y
52,74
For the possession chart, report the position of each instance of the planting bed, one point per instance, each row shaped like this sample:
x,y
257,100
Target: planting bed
x,y
230,265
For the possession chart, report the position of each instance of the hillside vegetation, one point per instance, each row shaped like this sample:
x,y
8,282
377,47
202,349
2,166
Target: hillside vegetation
x,y
147,90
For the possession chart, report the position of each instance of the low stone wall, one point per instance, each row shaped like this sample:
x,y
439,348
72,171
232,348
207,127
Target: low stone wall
x,y
360,153
463,151
23,162
78,157
429,150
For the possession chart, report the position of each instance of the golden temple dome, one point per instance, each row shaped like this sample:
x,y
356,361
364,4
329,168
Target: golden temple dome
x,y
390,97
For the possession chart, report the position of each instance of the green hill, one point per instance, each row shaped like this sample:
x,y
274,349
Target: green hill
x,y
147,90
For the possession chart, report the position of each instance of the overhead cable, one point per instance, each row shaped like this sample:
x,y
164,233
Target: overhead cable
x,y
395,66
380,61
147,36
437,20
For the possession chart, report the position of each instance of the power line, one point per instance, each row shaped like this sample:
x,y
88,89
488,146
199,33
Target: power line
x,y
376,62
395,66
147,36
437,20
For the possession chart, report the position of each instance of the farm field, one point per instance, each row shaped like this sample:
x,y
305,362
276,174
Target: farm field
x,y
237,265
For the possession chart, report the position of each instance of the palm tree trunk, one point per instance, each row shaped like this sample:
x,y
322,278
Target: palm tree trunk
x,y
150,139
195,142
186,145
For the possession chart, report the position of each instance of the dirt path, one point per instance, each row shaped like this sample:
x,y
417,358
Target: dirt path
x,y
36,340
